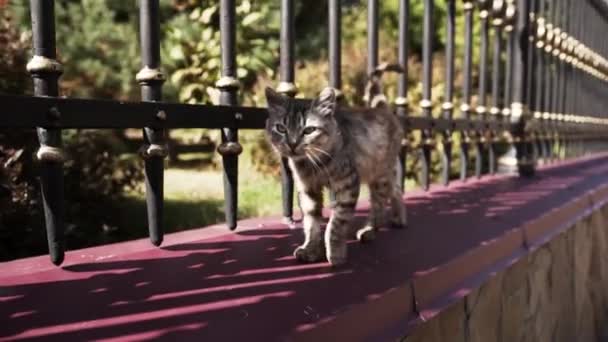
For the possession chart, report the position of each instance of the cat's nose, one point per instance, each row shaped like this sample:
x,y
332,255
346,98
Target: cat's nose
x,y
292,146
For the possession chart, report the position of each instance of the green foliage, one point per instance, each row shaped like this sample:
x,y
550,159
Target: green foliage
x,y
192,47
97,43
355,23
13,49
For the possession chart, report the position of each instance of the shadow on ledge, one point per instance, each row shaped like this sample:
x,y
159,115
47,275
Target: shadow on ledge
x,y
217,285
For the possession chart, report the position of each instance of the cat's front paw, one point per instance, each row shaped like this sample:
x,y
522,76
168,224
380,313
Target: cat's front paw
x,y
366,234
309,254
337,255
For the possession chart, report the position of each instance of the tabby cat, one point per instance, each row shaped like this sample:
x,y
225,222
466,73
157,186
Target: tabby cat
x,y
338,148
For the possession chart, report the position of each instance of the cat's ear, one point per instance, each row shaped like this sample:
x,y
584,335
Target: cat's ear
x,y
325,104
276,101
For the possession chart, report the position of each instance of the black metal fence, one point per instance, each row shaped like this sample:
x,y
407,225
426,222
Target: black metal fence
x,y
542,93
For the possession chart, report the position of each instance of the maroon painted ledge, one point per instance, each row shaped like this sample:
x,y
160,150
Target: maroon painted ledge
x,y
214,285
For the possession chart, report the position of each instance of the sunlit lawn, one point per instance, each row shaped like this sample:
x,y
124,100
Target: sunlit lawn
x,y
195,197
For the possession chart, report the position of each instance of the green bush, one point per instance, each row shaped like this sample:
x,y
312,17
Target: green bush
x,y
13,49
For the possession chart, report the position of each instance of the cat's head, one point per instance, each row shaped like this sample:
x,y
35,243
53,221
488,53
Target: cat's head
x,y
297,130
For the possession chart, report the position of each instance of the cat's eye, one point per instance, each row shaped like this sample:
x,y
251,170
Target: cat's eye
x,y
309,130
280,128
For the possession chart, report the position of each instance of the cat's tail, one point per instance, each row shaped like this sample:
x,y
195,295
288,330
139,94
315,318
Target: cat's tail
x,y
374,91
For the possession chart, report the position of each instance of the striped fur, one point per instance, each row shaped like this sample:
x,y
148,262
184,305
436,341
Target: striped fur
x,y
337,148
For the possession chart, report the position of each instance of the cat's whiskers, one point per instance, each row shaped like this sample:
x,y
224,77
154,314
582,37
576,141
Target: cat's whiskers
x,y
321,151
319,162
313,162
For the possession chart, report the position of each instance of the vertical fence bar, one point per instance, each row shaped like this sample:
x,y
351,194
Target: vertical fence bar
x,y
532,136
45,71
426,104
401,102
465,108
228,85
483,84
577,99
553,54
544,135
575,76
372,36
335,54
335,40
151,79
448,106
585,77
498,12
588,41
510,16
519,110
547,77
568,71
556,111
530,90
531,76
565,70
287,87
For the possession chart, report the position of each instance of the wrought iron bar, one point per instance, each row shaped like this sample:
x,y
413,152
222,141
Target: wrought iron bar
x,y
544,135
372,36
287,87
559,31
426,104
564,71
335,55
151,79
510,16
556,72
45,71
498,12
545,32
448,106
481,138
531,134
465,108
519,109
228,85
571,72
89,113
401,102
335,39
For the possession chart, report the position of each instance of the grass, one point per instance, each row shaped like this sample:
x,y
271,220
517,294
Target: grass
x,y
194,195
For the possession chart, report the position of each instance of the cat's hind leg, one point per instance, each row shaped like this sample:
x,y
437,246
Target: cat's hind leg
x,y
380,193
398,209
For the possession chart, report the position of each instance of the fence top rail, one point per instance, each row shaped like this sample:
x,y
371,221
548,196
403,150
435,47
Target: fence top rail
x,y
108,114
